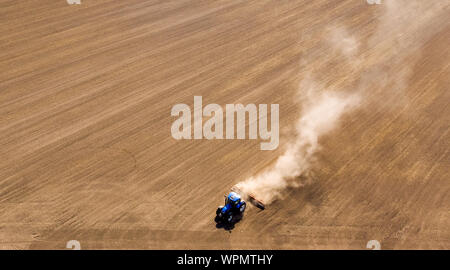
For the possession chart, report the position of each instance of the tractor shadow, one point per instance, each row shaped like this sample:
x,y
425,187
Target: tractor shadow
x,y
228,226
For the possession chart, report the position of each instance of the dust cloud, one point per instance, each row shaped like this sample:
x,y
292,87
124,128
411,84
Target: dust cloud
x,y
402,29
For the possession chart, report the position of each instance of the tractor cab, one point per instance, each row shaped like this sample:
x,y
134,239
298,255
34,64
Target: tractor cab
x,y
233,205
233,199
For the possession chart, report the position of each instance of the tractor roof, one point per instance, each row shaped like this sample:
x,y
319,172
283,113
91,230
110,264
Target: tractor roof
x,y
233,196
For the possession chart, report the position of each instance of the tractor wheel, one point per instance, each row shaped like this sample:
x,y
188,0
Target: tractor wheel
x,y
242,208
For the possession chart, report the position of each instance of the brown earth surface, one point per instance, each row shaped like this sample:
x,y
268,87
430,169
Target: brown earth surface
x,y
86,151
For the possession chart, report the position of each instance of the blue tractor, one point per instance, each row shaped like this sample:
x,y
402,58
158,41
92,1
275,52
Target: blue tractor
x,y
234,206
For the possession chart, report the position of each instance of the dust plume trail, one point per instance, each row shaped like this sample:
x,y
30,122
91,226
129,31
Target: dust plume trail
x,y
403,28
321,110
321,114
